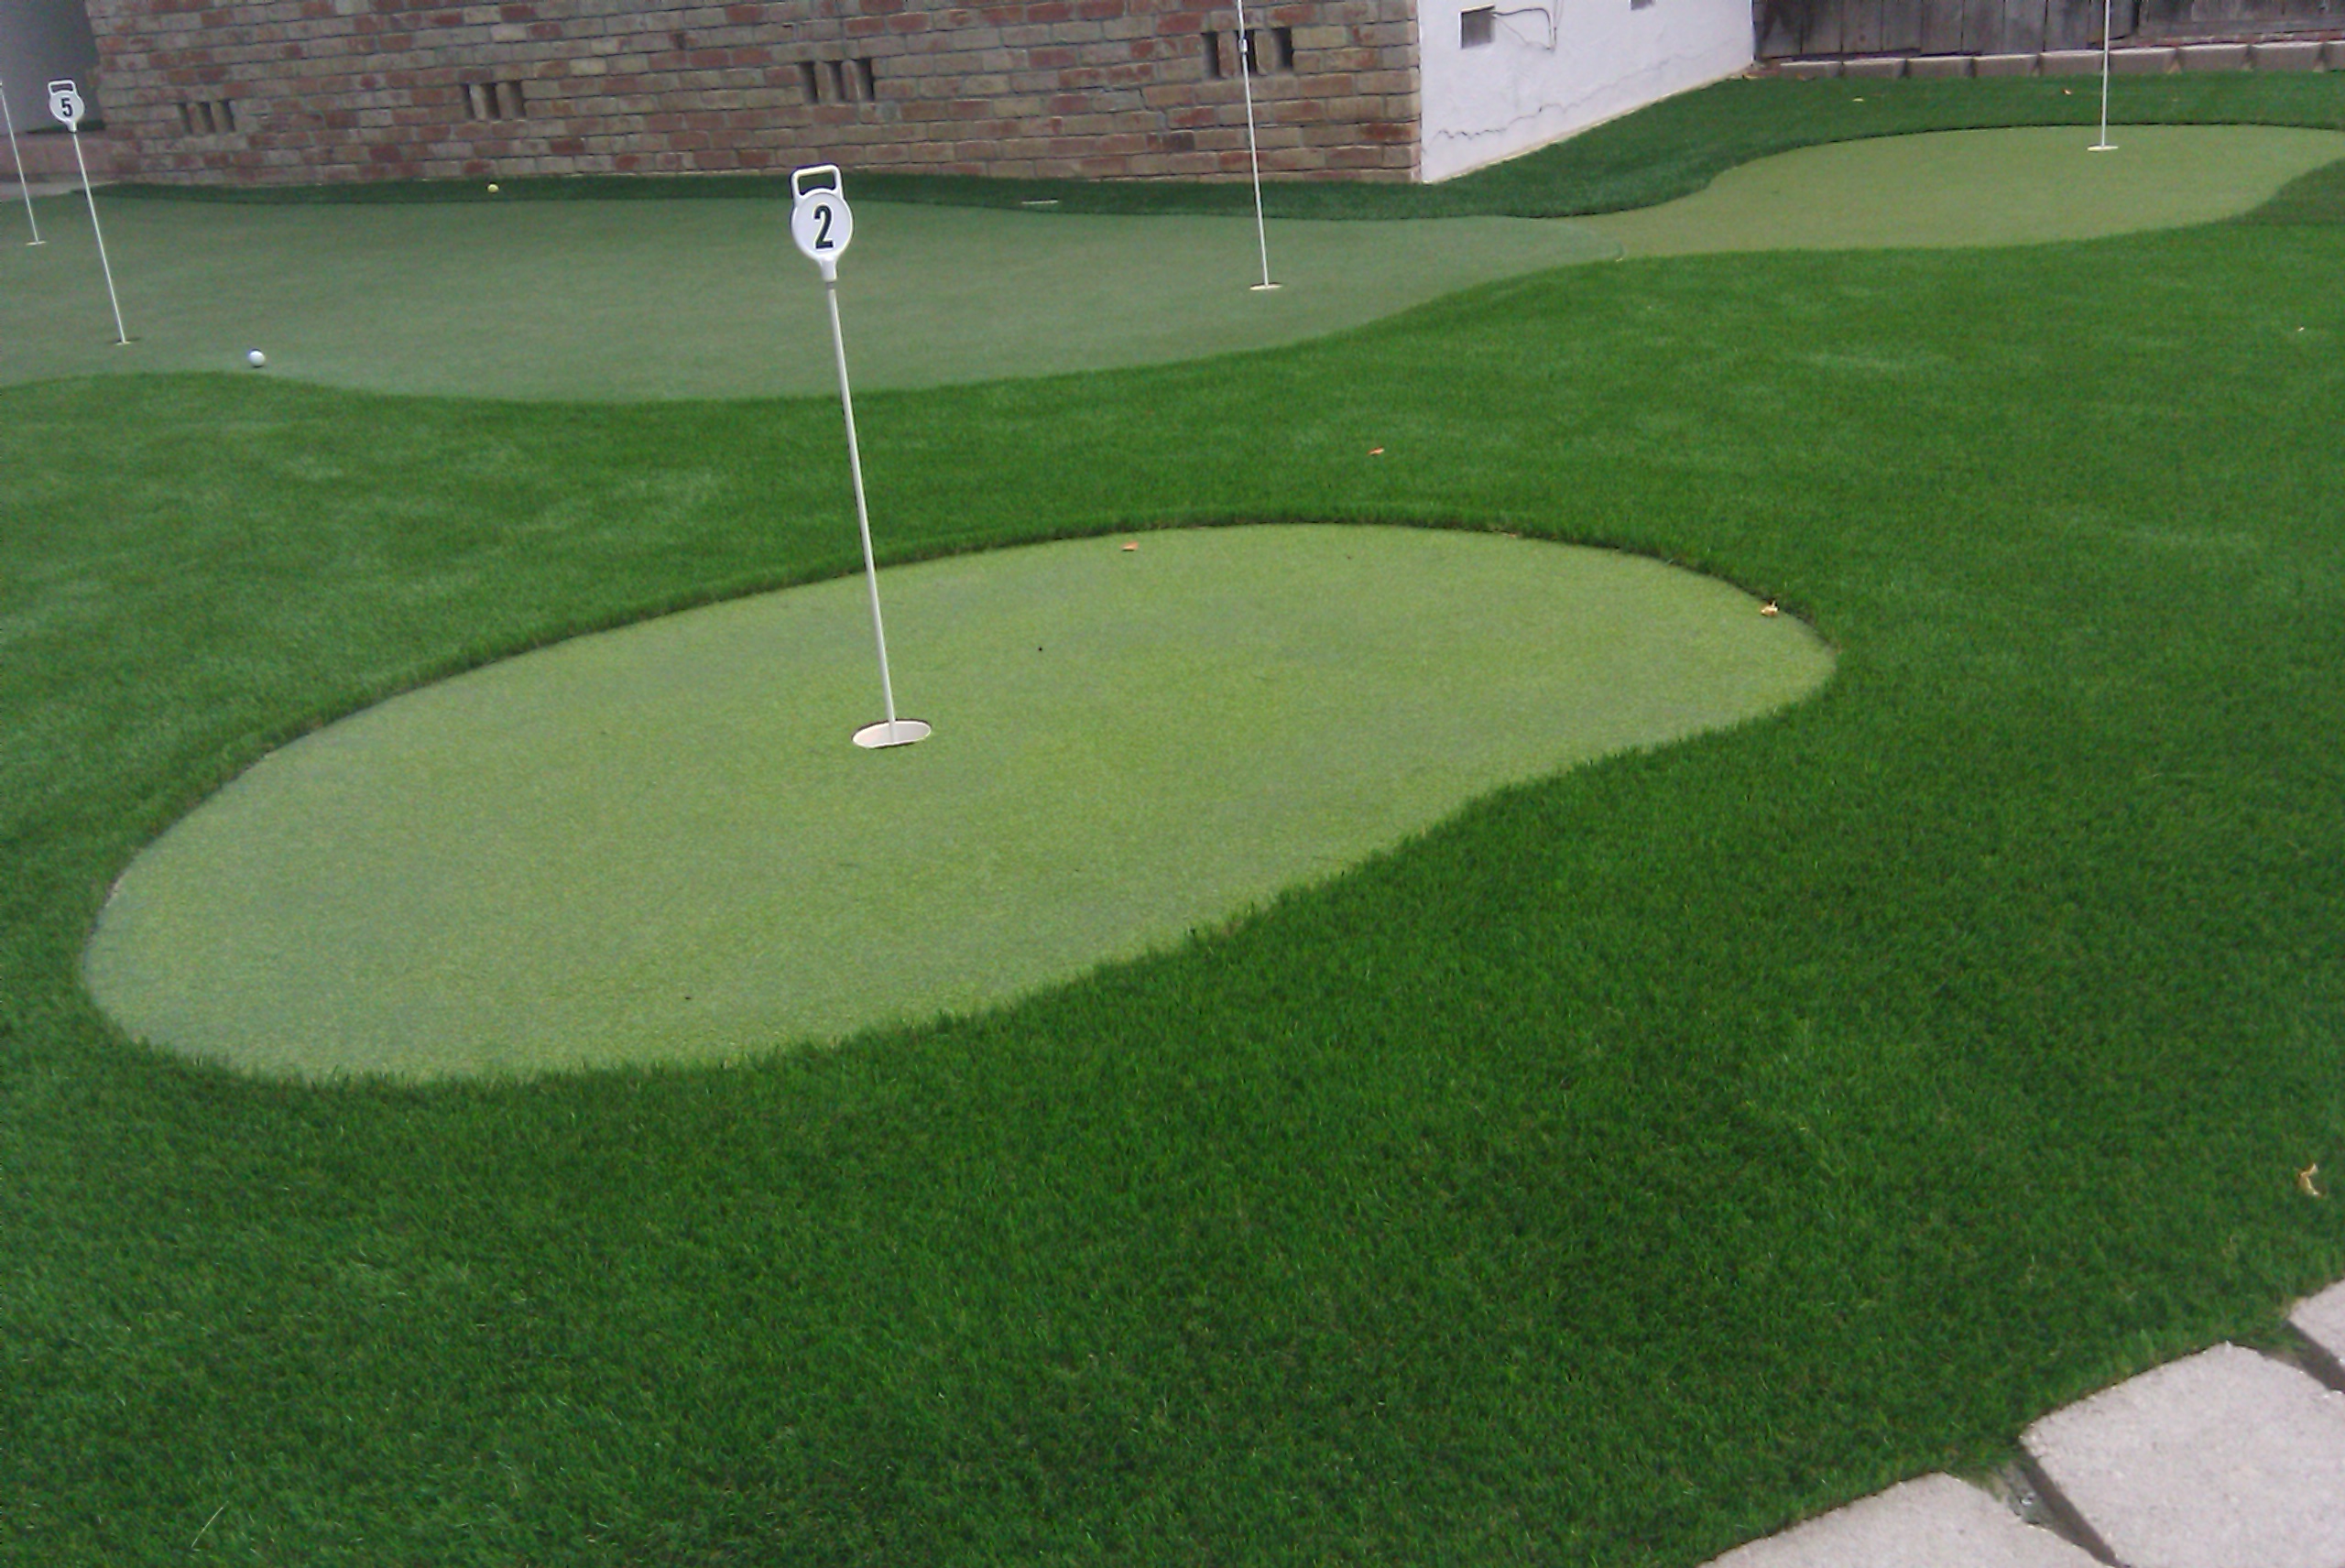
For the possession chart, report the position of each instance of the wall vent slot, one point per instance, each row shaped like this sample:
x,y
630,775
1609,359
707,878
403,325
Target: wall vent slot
x,y
208,116
1477,28
1267,49
494,100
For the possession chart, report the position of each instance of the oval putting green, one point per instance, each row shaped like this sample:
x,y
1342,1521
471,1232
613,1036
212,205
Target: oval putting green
x,y
655,299
632,300
659,843
2028,185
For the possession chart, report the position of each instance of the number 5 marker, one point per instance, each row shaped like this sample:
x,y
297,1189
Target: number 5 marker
x,y
822,224
65,108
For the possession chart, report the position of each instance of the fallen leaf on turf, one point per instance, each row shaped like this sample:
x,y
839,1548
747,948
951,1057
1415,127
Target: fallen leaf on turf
x,y
1769,608
2305,1182
1131,544
1376,452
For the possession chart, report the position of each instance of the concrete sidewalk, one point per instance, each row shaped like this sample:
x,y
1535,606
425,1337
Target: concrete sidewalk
x,y
2226,1459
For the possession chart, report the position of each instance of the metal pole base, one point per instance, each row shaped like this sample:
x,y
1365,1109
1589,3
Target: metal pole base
x,y
891,732
2102,146
36,241
1260,287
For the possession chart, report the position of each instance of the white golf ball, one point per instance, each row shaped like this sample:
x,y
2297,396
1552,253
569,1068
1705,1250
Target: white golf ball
x,y
256,359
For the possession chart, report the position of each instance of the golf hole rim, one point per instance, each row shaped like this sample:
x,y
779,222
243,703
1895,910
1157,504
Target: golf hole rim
x,y
888,733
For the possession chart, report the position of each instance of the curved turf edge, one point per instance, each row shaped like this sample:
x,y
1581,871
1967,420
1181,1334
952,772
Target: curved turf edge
x,y
658,844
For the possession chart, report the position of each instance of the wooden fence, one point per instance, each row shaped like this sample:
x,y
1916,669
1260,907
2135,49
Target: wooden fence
x,y
1788,28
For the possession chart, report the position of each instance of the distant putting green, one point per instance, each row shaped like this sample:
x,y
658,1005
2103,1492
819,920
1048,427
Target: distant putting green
x,y
618,300
659,843
2025,186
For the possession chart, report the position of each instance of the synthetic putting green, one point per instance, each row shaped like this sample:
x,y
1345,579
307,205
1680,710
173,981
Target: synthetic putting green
x,y
660,843
1651,1155
631,300
2020,185
617,300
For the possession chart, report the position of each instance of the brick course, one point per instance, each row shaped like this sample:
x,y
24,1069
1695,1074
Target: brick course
x,y
269,92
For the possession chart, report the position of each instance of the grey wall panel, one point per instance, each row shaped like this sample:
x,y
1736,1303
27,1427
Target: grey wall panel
x,y
40,40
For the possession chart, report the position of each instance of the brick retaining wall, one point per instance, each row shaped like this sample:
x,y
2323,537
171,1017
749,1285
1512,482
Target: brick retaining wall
x,y
301,90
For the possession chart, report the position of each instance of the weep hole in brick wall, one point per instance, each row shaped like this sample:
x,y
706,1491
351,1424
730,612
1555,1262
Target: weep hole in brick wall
x,y
1267,50
208,116
839,80
494,100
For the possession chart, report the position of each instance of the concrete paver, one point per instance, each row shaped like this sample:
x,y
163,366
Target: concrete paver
x,y
2214,56
2321,1319
1934,1523
2226,1459
2287,55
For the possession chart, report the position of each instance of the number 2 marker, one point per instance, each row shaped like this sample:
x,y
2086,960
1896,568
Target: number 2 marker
x,y
821,223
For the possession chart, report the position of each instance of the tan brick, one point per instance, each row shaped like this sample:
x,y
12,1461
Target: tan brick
x,y
1116,88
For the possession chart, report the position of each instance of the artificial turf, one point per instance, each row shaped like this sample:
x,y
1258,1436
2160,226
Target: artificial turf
x,y
660,845
583,299
2315,197
588,300
1647,1155
2021,186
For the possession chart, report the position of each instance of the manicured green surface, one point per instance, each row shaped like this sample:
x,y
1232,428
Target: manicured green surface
x,y
1666,150
706,299
659,844
1980,187
1648,1156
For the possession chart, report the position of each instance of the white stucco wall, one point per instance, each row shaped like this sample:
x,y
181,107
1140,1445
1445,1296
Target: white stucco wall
x,y
1608,56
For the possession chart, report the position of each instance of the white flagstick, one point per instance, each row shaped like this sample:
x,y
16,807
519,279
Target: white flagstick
x,y
822,224
24,180
2103,145
65,105
121,332
1246,78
